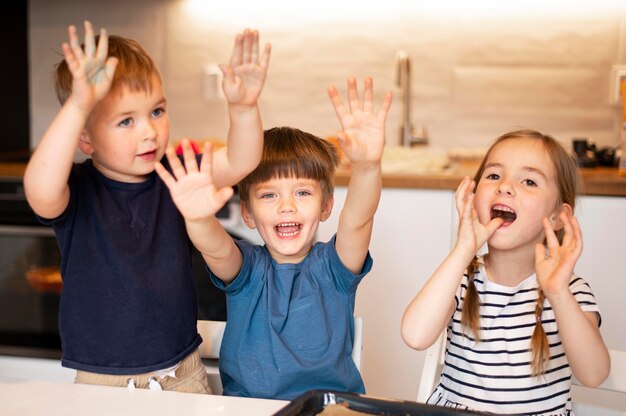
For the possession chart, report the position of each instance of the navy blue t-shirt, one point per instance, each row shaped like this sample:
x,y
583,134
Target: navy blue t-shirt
x,y
129,299
290,327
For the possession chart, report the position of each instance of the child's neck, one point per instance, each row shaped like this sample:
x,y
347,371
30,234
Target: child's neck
x,y
509,268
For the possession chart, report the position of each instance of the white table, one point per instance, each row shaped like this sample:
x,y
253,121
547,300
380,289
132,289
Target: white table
x,y
51,398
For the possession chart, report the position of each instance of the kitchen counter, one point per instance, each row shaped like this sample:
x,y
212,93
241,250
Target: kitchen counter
x,y
35,397
597,181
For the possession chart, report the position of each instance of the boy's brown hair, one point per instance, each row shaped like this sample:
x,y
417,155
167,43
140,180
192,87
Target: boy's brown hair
x,y
289,152
568,183
135,68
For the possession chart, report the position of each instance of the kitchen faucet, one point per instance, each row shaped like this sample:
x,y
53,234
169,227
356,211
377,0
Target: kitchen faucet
x,y
408,136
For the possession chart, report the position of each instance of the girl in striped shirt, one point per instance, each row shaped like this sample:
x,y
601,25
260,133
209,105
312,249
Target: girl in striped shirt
x,y
519,322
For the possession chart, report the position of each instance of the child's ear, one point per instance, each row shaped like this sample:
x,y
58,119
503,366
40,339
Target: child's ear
x,y
84,143
555,218
247,217
327,208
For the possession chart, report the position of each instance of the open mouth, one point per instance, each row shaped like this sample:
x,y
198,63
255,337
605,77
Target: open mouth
x,y
504,212
288,229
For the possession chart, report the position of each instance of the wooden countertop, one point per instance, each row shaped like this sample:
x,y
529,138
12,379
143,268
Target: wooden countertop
x,y
597,181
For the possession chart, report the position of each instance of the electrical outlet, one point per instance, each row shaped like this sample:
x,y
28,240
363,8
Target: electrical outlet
x,y
618,73
212,83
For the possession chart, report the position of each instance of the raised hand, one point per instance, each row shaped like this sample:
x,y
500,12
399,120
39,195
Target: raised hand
x,y
472,235
363,137
191,188
245,75
555,265
91,70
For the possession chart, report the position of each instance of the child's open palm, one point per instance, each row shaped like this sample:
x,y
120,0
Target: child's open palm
x,y
363,137
192,189
245,75
555,266
91,70
472,234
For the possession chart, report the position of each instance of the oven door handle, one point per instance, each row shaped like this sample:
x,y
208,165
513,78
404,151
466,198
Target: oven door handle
x,y
27,230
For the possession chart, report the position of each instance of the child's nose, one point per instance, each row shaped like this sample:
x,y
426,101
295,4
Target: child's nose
x,y
504,187
150,131
287,205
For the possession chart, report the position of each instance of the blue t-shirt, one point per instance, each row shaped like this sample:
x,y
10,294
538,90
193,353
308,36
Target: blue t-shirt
x,y
129,299
290,327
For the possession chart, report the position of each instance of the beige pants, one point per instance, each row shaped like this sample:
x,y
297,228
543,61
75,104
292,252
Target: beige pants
x,y
190,377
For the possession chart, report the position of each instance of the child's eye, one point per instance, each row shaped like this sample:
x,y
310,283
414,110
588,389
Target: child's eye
x,y
529,182
267,195
127,122
158,112
493,176
303,193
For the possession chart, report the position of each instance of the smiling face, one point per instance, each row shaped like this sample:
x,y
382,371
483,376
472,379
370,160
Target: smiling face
x,y
519,185
287,212
128,132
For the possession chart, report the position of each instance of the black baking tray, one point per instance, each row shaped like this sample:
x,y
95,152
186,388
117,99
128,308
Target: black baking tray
x,y
314,401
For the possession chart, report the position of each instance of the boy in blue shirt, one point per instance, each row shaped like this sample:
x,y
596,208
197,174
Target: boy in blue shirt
x,y
129,303
290,302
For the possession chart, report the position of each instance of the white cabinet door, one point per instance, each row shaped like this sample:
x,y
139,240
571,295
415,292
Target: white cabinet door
x,y
603,261
411,236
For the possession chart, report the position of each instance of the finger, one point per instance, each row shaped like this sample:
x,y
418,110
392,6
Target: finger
x,y
335,98
460,193
578,236
103,46
165,176
247,46
90,43
109,67
235,58
75,43
493,225
568,232
254,50
540,253
368,95
551,240
384,109
206,166
265,59
353,95
229,75
70,59
191,165
178,169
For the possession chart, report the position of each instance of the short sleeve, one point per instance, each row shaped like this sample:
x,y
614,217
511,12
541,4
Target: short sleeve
x,y
584,296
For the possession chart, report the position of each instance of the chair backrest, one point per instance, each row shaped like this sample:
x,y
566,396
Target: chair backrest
x,y
357,344
433,363
609,398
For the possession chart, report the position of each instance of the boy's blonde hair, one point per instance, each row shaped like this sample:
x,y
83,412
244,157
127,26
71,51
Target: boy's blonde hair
x,y
135,68
289,152
569,185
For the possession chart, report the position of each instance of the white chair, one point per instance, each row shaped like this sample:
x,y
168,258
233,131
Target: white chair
x,y
431,370
608,399
212,333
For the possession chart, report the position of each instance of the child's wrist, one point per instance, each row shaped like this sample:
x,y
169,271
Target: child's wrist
x,y
238,108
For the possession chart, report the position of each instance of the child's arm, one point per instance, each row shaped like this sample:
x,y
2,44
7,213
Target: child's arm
x,y
586,353
429,312
47,172
198,199
362,141
242,84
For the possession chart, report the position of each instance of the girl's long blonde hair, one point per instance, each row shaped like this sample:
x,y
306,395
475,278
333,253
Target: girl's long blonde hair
x,y
569,184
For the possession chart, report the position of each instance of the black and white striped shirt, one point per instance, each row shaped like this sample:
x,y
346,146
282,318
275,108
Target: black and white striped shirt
x,y
494,374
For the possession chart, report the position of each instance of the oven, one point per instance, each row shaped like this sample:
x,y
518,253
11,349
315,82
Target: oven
x,y
31,285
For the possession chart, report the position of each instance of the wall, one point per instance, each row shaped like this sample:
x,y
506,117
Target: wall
x,y
478,69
